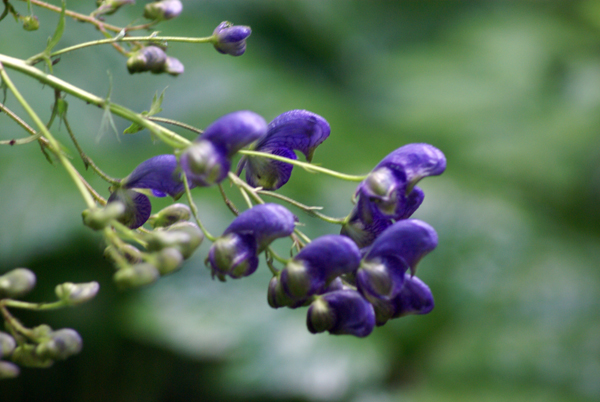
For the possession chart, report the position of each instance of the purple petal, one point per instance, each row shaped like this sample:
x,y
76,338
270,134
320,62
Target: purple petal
x,y
409,240
265,222
381,278
364,233
158,174
137,207
234,131
415,161
414,298
234,255
318,264
231,39
268,173
343,312
297,129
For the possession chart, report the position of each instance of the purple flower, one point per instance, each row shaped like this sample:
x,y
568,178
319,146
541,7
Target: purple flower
x,y
157,176
312,270
414,298
208,159
294,130
235,253
397,250
343,312
389,192
231,39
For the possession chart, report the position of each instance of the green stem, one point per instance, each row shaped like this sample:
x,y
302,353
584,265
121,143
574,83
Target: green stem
x,y
309,167
54,145
86,159
117,39
305,208
194,209
25,126
34,306
128,233
167,136
13,322
228,202
175,123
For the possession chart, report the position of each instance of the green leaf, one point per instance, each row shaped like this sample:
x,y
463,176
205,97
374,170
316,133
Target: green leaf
x,y
60,29
155,108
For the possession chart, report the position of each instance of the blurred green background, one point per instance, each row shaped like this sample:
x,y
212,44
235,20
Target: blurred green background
x,y
509,91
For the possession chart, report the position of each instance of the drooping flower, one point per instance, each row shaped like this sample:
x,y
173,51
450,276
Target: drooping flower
x,y
235,253
342,312
157,176
231,39
299,130
397,250
390,193
208,159
313,269
414,298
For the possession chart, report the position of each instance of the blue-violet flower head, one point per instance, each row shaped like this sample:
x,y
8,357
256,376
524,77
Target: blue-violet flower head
x,y
231,39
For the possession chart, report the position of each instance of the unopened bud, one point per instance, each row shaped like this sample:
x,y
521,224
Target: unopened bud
x,y
203,163
99,218
150,58
136,275
26,355
7,344
41,332
173,66
168,260
231,39
230,255
195,237
109,7
172,214
163,10
30,23
63,343
17,282
8,370
132,254
77,293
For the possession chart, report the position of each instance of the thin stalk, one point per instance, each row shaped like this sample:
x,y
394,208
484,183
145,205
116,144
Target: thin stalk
x,y
13,322
175,123
305,208
194,209
34,135
54,145
34,306
309,167
167,136
228,202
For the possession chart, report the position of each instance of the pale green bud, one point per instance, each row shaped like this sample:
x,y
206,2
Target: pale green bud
x,y
63,343
8,370
136,275
99,218
77,293
17,282
170,215
132,254
195,237
26,355
168,260
7,344
30,23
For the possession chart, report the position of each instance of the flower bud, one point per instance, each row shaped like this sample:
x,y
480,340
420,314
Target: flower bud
x,y
7,344
136,275
8,370
231,39
30,23
109,7
132,254
168,216
163,10
42,331
204,164
195,237
173,66
76,293
63,343
233,255
150,58
16,283
26,355
99,218
168,260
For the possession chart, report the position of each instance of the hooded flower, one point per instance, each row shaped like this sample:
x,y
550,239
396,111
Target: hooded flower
x,y
414,298
208,159
389,192
235,253
343,312
397,250
156,176
313,269
231,39
299,130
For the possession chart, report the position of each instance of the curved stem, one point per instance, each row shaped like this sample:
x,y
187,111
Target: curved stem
x,y
194,209
305,208
34,306
150,38
175,123
309,167
167,136
54,145
25,126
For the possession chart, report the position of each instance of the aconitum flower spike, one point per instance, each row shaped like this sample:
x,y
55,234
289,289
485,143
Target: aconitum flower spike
x,y
399,249
318,264
299,130
157,176
235,253
414,298
208,159
163,10
231,39
343,312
